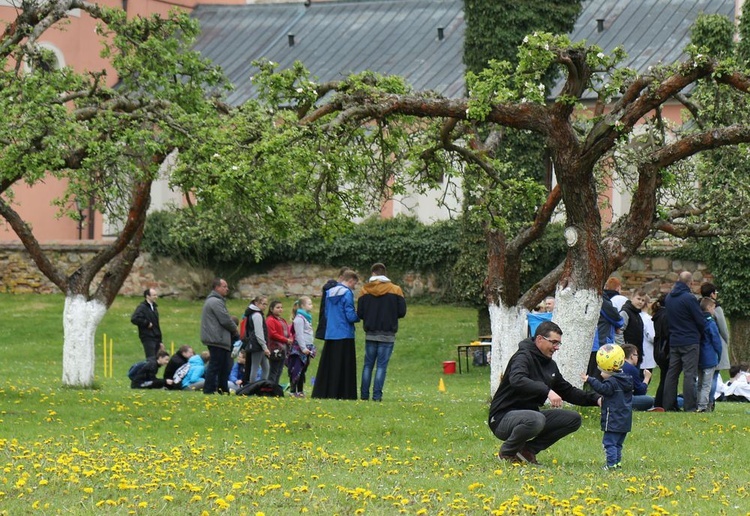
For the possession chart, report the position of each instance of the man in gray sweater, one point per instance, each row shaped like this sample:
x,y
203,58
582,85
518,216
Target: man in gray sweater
x,y
218,332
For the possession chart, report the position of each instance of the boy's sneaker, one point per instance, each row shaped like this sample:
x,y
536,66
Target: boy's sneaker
x,y
527,455
612,467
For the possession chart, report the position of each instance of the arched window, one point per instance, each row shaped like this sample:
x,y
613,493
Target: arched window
x,y
51,58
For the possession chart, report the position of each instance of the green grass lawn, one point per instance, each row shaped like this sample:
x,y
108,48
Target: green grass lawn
x,y
421,451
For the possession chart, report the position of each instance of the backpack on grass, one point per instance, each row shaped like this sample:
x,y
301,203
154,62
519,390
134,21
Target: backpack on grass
x,y
135,369
261,388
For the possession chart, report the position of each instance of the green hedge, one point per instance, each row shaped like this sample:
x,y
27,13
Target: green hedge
x,y
455,255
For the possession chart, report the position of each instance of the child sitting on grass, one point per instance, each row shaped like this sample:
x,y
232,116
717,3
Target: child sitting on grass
x,y
238,372
617,402
195,377
145,377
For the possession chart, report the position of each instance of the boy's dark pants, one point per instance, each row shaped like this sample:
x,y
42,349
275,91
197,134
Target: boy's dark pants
x,y
612,442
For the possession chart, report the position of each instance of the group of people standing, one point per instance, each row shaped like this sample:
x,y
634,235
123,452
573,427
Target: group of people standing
x,y
380,305
683,334
679,332
264,342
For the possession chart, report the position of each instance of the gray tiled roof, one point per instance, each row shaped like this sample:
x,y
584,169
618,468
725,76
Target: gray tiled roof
x,y
333,39
650,31
399,37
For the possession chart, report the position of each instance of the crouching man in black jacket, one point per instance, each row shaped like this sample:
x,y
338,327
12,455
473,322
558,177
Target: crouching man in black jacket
x,y
532,378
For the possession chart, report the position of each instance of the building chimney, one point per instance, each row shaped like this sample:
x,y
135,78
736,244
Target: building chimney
x,y
441,33
290,38
600,25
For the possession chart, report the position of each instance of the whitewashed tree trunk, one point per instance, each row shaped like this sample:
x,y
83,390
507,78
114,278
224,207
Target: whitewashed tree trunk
x,y
80,320
577,314
508,325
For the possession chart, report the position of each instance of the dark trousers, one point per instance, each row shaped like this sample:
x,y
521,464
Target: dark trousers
x,y
150,347
663,370
682,359
274,371
217,371
534,430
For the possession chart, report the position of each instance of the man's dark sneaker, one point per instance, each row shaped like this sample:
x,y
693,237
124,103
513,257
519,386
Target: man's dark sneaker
x,y
513,459
527,455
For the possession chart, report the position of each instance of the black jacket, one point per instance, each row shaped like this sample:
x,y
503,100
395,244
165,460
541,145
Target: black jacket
x,y
633,333
320,331
175,362
527,381
380,305
142,316
146,377
661,338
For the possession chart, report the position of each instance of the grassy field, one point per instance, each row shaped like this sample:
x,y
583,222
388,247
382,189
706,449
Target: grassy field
x,y
421,451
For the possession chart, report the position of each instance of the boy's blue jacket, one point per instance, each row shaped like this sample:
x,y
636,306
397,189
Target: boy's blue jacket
x,y
710,344
617,401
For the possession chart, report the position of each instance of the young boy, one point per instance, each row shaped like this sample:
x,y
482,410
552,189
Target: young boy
x,y
710,353
146,378
617,402
238,372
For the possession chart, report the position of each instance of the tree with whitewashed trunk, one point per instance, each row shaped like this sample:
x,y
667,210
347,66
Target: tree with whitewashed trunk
x,y
106,144
630,137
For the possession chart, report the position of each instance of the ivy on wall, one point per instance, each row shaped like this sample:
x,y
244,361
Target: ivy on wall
x,y
404,244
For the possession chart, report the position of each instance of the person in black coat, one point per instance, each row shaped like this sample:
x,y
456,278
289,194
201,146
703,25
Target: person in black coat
x,y
175,364
661,345
632,330
531,379
146,317
146,378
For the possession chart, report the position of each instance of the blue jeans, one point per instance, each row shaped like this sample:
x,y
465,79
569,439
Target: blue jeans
x,y
379,352
642,402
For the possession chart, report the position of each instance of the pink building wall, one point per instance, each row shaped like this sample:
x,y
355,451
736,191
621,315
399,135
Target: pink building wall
x,y
79,47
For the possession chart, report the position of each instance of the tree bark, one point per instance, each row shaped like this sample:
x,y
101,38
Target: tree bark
x,y
81,317
739,336
576,312
507,324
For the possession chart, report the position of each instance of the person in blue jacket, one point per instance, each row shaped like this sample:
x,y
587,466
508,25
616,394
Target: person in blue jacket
x,y
710,353
337,371
195,377
641,400
617,411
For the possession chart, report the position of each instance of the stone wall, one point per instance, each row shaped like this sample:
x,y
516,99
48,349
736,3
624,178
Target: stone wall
x,y
18,274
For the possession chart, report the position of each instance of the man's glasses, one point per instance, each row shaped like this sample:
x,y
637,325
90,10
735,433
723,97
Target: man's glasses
x,y
552,341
